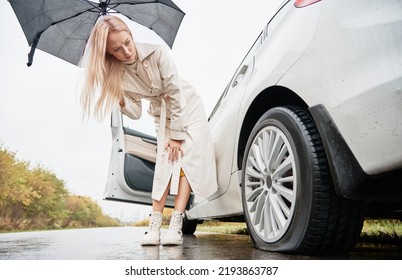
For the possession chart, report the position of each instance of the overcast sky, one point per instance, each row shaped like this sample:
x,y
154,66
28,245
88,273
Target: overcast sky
x,y
40,114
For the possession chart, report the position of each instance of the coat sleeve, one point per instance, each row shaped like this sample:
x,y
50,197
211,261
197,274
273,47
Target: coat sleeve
x,y
171,82
132,108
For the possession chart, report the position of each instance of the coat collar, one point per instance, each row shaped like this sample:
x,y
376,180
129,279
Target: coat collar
x,y
142,64
144,50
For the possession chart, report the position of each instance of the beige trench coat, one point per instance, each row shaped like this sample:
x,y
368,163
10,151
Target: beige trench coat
x,y
179,114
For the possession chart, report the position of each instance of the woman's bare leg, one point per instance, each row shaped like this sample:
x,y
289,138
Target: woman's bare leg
x,y
180,200
160,205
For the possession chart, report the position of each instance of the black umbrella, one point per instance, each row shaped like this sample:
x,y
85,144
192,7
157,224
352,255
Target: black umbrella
x,y
62,27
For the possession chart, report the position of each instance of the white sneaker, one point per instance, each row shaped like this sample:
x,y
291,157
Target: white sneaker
x,y
174,235
152,235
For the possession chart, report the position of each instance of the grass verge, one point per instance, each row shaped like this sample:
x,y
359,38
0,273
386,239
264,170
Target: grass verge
x,y
384,231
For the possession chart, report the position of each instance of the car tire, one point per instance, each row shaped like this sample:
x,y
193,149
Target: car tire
x,y
288,199
189,226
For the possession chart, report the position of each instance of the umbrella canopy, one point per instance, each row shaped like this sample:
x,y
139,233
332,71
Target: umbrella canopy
x,y
62,27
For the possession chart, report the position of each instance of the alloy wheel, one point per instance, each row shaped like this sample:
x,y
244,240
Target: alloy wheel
x,y
270,184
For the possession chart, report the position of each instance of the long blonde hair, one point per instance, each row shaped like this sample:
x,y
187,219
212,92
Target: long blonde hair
x,y
104,73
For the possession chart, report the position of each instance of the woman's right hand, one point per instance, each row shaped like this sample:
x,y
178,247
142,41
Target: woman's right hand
x,y
175,150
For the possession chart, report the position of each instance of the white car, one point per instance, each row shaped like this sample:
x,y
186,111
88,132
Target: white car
x,y
308,133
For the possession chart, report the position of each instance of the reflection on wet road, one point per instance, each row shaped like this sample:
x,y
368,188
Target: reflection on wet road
x,y
123,244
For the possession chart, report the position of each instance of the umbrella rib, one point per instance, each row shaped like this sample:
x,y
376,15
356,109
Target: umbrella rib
x,y
150,2
39,34
64,19
92,4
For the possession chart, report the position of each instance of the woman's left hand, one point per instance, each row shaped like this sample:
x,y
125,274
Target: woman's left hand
x,y
174,149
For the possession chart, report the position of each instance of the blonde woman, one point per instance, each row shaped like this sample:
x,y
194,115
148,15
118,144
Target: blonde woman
x,y
124,72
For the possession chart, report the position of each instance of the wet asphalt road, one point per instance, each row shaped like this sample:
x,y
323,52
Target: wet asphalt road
x,y
123,243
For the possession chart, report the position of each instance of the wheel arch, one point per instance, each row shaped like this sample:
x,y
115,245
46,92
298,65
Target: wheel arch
x,y
269,98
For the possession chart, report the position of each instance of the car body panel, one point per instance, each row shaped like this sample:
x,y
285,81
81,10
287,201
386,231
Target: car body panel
x,y
360,78
220,207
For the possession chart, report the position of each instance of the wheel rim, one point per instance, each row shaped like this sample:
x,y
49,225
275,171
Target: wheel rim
x,y
270,184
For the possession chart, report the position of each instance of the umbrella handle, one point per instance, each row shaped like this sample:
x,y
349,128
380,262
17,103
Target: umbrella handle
x,y
32,52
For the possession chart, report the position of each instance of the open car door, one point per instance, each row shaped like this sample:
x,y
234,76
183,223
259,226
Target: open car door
x,y
132,161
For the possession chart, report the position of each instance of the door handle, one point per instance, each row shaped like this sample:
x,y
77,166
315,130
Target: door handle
x,y
240,74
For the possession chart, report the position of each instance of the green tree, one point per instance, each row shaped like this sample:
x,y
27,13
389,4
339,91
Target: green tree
x,y
49,205
14,188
